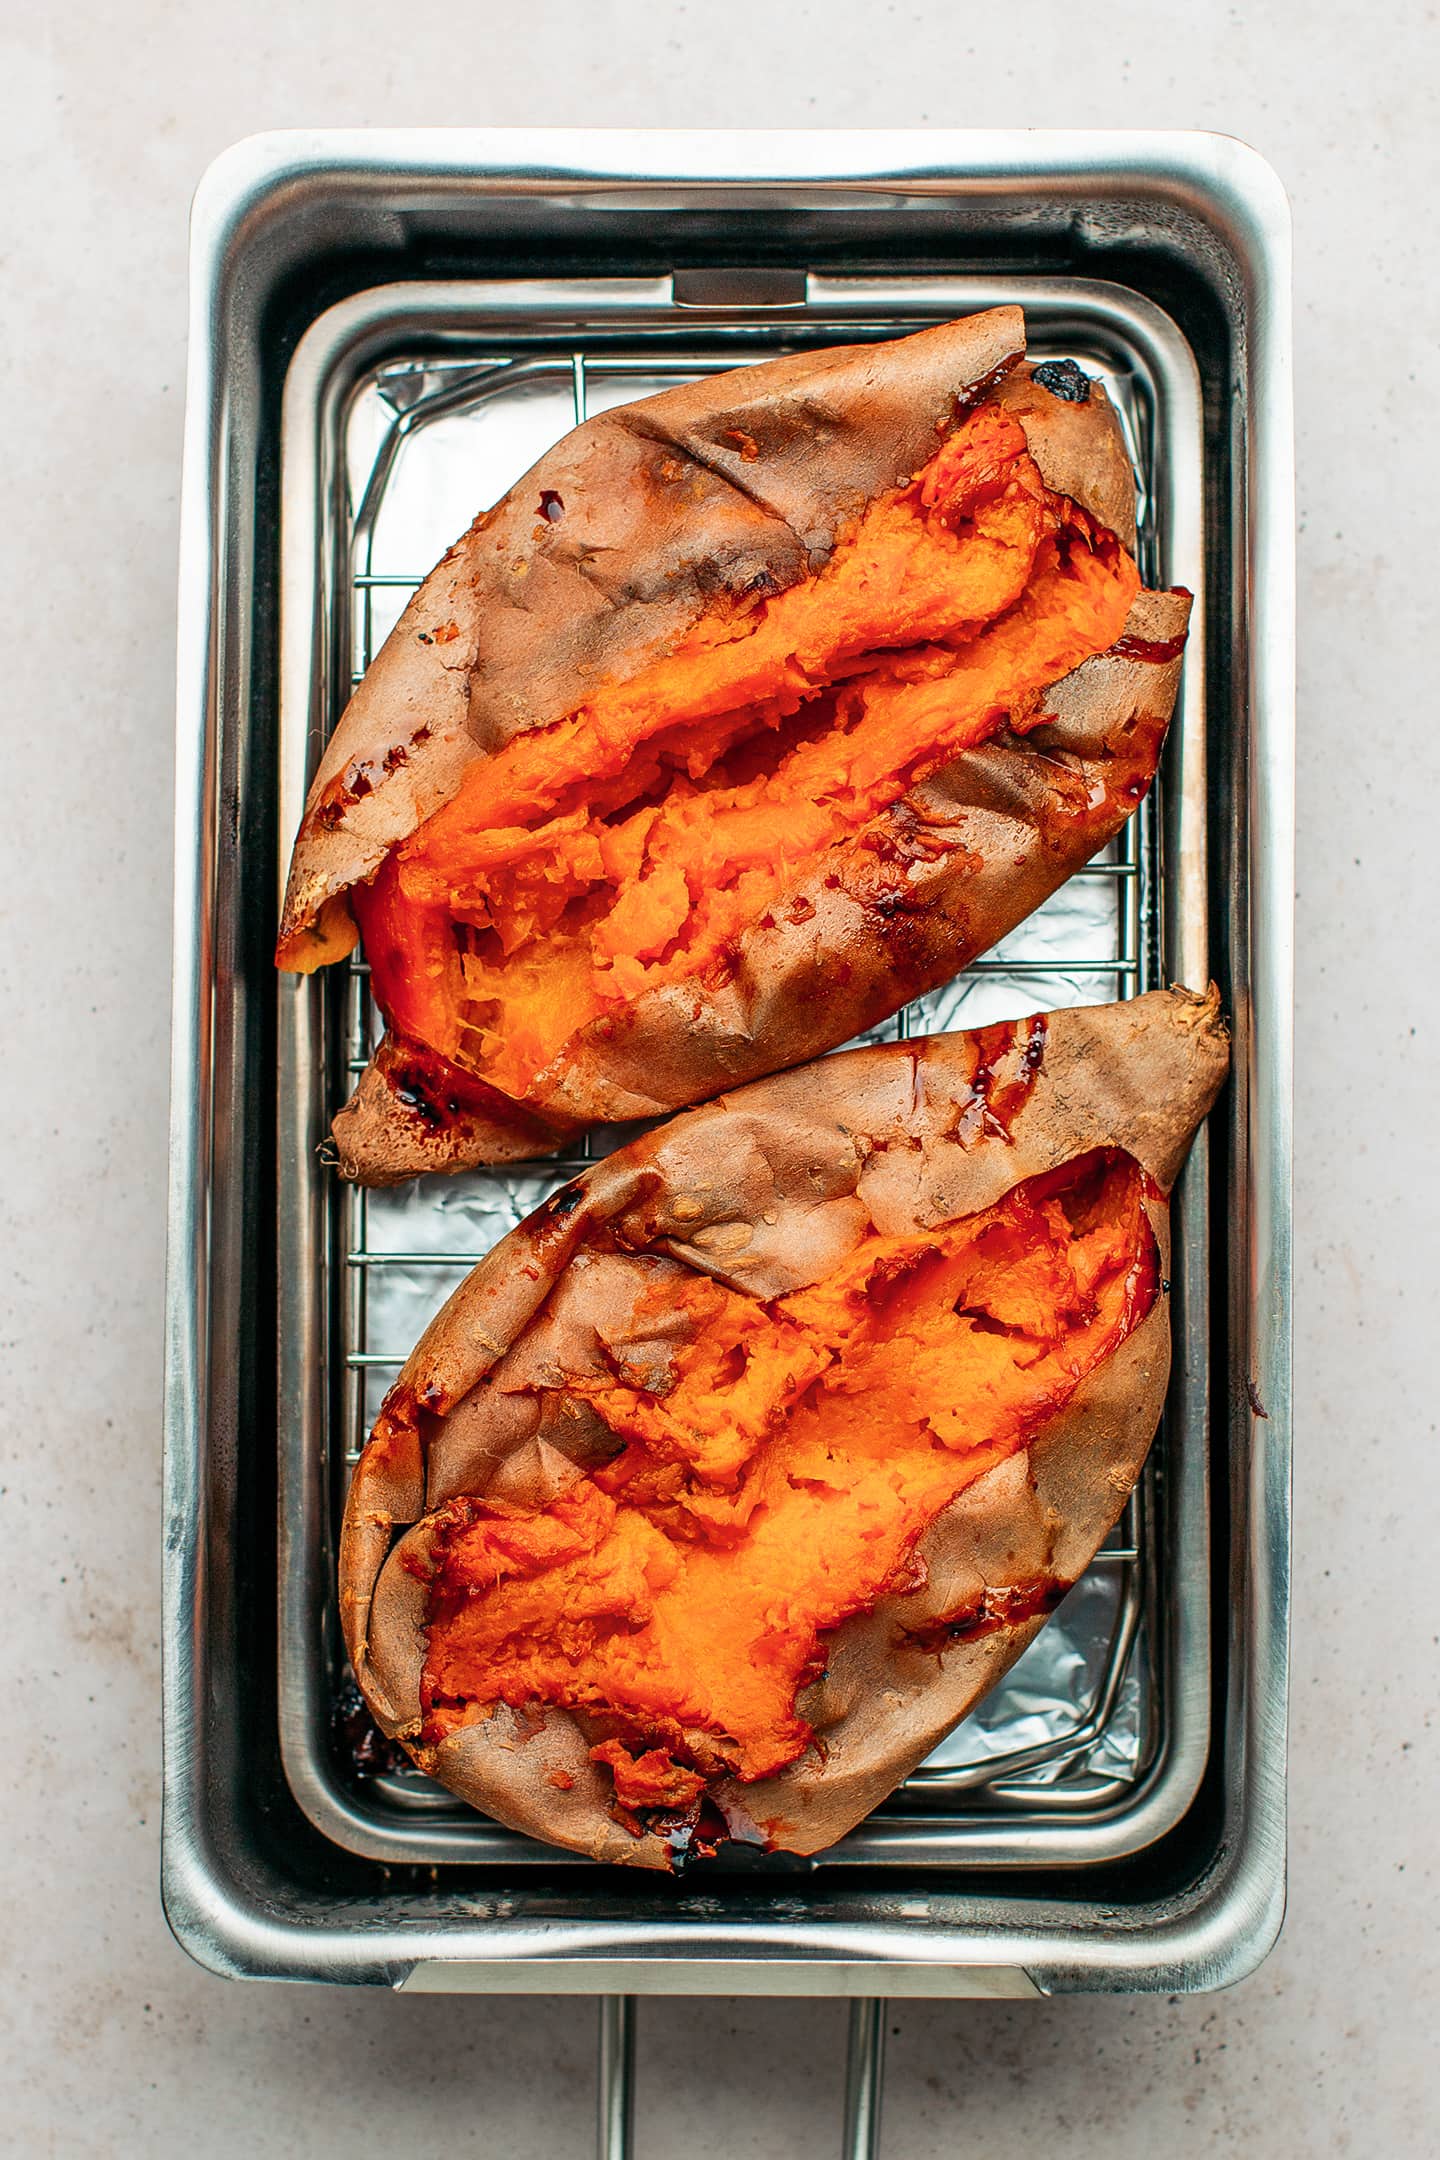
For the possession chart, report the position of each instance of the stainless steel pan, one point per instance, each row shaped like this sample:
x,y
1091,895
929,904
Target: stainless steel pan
x,y
373,310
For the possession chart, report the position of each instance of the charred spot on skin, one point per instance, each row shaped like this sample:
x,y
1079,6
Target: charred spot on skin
x,y
362,1745
358,780
566,1200
692,1838
892,901
910,927
999,1605
1064,380
965,401
700,1833
890,841
415,1092
907,839
551,507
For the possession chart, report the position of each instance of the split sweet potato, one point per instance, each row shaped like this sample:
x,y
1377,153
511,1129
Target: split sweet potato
x,y
729,1481
754,710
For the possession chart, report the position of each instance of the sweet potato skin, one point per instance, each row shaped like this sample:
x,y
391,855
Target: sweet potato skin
x,y
914,896
768,1190
766,464
918,894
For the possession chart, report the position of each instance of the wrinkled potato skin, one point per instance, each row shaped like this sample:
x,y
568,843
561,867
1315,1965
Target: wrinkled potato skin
x,y
517,623
795,1170
480,655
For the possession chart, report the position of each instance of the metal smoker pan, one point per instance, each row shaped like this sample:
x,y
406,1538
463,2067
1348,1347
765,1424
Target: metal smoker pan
x,y
360,298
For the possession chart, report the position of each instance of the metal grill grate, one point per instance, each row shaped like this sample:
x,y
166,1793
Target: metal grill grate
x,y
1098,940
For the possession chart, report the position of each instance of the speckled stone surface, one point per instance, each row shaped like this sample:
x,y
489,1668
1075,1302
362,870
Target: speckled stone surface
x,y
111,2042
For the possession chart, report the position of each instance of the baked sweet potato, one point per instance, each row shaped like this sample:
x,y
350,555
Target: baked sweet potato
x,y
729,1482
753,710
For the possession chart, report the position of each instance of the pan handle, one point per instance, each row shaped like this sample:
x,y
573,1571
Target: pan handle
x,y
864,2079
615,2121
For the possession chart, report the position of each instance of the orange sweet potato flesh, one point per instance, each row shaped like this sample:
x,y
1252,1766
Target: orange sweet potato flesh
x,y
628,845
683,1591
861,1232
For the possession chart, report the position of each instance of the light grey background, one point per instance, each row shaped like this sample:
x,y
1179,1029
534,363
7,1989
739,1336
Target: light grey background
x,y
110,2041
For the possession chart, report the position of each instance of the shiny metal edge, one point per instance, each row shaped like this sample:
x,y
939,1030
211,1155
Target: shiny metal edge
x,y
1226,184
1224,1928
742,1976
190,1885
338,349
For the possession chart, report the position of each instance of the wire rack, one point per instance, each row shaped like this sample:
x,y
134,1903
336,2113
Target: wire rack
x,y
1097,941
